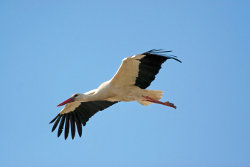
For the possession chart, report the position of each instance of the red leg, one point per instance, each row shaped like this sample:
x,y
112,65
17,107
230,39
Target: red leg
x,y
159,102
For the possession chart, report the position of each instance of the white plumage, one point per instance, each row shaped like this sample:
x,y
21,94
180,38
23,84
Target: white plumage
x,y
128,84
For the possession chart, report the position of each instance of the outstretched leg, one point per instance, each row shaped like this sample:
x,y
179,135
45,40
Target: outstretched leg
x,y
159,102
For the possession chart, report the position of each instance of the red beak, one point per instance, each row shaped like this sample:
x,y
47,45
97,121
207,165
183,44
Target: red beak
x,y
66,101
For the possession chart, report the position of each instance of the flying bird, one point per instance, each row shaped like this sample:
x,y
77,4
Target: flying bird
x,y
128,84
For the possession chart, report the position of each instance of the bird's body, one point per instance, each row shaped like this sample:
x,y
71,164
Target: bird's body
x,y
109,92
128,84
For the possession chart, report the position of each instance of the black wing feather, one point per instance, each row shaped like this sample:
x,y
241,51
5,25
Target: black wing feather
x,y
54,118
56,123
72,124
150,65
82,118
79,116
66,133
60,129
78,124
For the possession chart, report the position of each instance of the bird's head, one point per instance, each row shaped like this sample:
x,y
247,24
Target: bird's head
x,y
74,97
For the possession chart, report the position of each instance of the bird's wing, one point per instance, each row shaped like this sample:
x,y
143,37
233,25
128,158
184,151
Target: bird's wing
x,y
140,70
77,113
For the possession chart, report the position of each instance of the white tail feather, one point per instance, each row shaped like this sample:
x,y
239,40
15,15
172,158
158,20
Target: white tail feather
x,y
155,94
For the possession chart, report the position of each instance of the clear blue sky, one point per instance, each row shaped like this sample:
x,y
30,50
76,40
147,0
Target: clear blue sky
x,y
52,49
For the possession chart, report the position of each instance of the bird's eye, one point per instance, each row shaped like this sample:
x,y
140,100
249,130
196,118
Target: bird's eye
x,y
75,95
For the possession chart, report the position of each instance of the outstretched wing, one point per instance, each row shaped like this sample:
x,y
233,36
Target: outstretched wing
x,y
140,70
77,113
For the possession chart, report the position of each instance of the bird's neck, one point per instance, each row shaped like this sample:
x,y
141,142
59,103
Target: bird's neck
x,y
85,98
97,96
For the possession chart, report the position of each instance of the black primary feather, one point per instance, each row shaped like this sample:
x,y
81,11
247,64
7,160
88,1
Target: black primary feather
x,y
56,123
78,124
81,118
54,118
78,117
60,129
66,133
150,65
72,124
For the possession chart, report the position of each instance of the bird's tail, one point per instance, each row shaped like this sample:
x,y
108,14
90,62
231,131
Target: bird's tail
x,y
155,94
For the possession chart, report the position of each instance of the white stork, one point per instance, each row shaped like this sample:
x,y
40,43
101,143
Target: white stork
x,y
128,84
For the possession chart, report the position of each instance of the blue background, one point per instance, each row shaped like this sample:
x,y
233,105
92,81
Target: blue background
x,y
52,49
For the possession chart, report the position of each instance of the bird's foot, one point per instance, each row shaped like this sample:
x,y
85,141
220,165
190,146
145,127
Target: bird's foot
x,y
167,103
146,98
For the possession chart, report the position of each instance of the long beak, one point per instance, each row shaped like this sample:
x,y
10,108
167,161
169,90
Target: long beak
x,y
66,101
